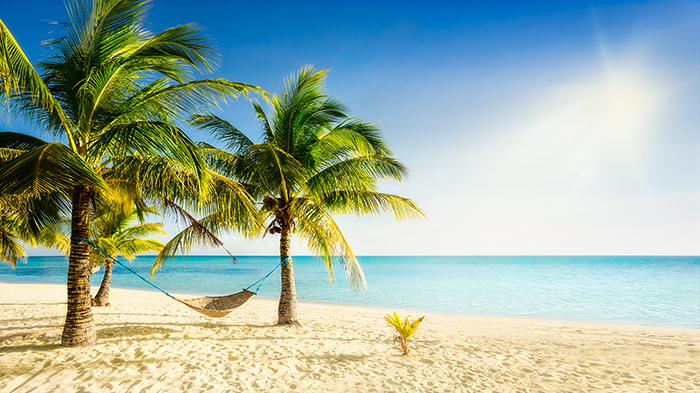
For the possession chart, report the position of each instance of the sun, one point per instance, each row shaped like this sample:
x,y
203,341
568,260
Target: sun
x,y
627,103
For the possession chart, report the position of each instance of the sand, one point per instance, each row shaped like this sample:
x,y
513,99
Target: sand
x,y
149,343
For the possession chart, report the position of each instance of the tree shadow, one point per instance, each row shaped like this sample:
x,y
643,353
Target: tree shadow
x,y
30,347
7,322
132,330
336,358
24,334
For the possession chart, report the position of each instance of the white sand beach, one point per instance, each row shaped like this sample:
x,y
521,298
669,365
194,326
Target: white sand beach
x,y
149,343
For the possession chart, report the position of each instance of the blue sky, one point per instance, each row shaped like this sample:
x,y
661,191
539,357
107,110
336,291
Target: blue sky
x,y
530,128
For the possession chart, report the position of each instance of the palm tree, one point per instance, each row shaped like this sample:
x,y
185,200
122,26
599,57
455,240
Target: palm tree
x,y
314,161
116,233
111,89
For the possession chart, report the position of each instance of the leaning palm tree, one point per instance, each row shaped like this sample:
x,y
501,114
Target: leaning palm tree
x,y
110,89
117,233
314,161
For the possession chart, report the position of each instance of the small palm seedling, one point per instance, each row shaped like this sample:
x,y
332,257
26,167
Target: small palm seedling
x,y
405,329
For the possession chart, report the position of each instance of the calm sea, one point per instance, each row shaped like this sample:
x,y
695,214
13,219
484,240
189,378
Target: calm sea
x,y
658,291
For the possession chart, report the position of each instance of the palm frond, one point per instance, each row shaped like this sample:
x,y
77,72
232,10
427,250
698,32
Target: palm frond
x,y
30,221
16,140
154,178
264,121
131,232
37,216
11,250
275,169
115,233
223,162
20,80
129,249
359,173
324,237
234,139
185,43
150,138
16,71
351,138
8,154
367,202
58,240
195,235
43,170
179,100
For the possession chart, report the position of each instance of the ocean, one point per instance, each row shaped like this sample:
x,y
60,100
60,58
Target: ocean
x,y
652,291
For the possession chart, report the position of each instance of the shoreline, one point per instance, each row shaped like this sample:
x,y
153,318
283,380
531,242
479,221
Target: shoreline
x,y
149,342
386,309
581,289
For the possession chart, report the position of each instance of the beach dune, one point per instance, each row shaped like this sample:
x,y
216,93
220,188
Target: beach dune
x,y
149,343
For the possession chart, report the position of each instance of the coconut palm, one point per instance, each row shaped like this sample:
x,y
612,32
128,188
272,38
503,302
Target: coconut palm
x,y
117,233
314,161
110,89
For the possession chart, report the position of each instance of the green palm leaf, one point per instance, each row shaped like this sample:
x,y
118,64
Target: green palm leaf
x,y
280,172
368,202
233,139
197,234
323,237
11,250
183,43
358,173
31,221
15,140
19,80
44,169
149,138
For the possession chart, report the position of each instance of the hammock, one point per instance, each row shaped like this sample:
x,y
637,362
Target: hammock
x,y
217,306
211,306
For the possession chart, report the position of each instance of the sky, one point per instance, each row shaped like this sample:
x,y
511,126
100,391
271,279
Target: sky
x,y
530,128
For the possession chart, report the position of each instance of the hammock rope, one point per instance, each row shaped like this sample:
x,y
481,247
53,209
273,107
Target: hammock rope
x,y
213,306
262,280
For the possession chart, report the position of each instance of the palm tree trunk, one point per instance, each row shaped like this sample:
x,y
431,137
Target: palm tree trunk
x,y
287,309
101,299
79,329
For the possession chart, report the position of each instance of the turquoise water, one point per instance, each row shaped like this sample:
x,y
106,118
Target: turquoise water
x,y
658,291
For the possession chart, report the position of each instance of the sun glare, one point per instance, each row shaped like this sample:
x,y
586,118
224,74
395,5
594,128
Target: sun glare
x,y
627,103
581,136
